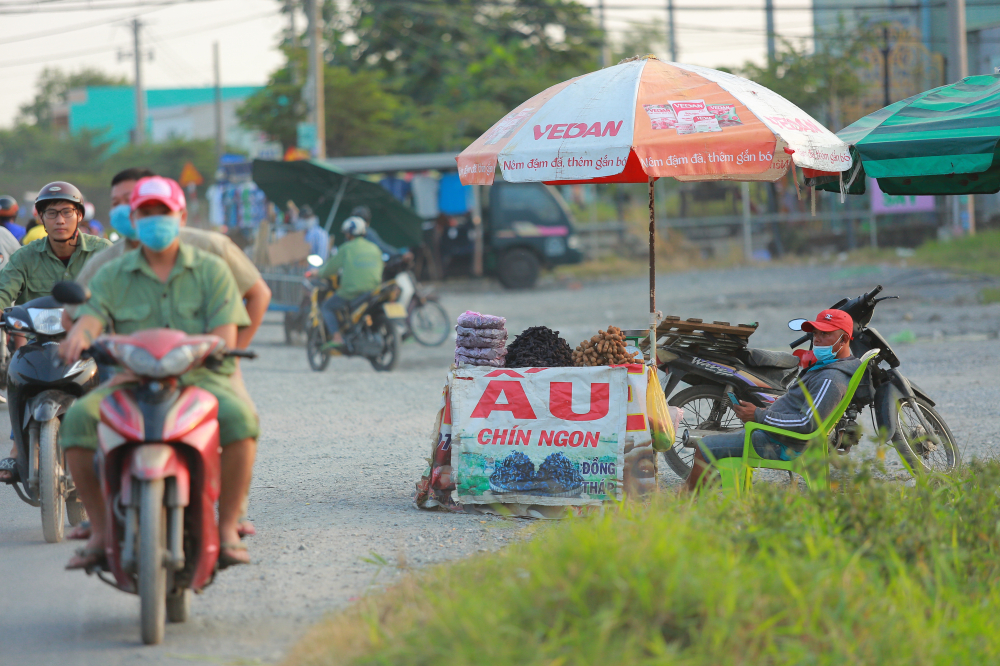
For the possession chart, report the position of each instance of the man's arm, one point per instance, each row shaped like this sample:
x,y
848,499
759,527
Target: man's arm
x,y
794,412
228,333
332,265
256,299
81,336
12,278
374,237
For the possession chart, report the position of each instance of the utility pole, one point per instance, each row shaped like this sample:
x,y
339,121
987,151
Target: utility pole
x,y
769,20
886,50
140,93
671,31
220,128
959,64
604,35
317,106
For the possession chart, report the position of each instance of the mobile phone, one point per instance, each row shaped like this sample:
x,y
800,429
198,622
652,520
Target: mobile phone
x,y
732,398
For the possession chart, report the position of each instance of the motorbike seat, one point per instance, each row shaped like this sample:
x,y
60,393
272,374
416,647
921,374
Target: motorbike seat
x,y
761,358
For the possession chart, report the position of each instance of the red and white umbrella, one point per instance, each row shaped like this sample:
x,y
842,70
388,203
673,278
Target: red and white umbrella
x,y
645,119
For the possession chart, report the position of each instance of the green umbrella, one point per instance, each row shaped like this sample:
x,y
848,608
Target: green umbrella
x,y
942,141
327,190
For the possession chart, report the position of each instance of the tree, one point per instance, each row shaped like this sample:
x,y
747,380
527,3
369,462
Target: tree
x,y
52,88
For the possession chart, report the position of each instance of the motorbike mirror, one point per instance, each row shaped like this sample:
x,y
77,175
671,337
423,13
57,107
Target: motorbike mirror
x,y
314,260
70,293
796,324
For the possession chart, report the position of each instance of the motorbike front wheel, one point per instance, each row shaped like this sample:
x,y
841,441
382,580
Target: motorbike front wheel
x,y
179,606
428,323
706,411
317,356
389,357
44,438
152,573
913,445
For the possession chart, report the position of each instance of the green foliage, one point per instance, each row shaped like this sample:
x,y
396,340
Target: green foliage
x,y
53,86
978,254
871,573
429,75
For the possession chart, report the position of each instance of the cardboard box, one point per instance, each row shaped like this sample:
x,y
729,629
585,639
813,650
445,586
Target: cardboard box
x,y
290,249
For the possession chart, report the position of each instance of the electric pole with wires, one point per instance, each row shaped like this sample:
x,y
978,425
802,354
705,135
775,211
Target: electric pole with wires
x,y
139,134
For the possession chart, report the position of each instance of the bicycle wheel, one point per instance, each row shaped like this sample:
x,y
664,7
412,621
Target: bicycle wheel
x,y
913,445
706,412
429,323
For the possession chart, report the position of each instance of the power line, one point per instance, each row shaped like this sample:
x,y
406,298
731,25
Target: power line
x,y
74,28
113,4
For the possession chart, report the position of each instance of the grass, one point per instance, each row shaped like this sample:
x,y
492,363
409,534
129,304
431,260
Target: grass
x,y
872,573
977,254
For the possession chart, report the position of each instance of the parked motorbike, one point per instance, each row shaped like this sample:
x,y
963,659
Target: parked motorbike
x,y
368,325
903,413
40,389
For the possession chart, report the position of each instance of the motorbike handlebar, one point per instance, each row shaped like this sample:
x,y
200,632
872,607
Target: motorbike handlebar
x,y
804,338
242,353
872,294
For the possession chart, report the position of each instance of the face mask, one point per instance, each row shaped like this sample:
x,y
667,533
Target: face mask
x,y
157,232
122,222
825,355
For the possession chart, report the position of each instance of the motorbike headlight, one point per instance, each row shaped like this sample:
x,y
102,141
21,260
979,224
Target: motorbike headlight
x,y
177,361
47,321
139,361
573,242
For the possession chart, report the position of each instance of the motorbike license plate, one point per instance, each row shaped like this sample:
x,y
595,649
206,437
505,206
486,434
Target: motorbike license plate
x,y
395,311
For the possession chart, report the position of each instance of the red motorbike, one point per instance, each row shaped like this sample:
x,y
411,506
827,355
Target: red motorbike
x,y
159,465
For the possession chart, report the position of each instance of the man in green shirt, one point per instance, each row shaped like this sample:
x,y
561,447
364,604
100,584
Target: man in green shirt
x,y
32,271
360,263
164,284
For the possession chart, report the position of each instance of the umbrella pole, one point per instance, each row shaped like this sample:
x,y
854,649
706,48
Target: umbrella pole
x,y
652,276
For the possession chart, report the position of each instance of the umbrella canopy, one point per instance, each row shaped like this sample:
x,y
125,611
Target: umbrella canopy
x,y
323,187
645,118
942,141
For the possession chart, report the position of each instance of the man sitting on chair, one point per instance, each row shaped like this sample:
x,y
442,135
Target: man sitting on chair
x,y
826,381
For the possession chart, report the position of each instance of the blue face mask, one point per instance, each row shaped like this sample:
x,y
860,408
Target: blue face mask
x,y
121,221
157,232
824,355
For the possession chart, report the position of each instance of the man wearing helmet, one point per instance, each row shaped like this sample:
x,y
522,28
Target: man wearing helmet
x,y
360,264
33,270
8,215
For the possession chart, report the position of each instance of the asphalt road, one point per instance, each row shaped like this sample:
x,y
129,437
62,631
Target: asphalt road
x,y
341,451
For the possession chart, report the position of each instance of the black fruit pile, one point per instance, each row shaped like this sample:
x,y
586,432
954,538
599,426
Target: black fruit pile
x,y
539,347
557,468
513,469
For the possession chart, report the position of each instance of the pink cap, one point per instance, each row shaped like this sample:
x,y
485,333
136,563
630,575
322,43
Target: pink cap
x,y
160,189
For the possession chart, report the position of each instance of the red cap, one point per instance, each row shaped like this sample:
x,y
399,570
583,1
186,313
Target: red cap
x,y
159,189
831,320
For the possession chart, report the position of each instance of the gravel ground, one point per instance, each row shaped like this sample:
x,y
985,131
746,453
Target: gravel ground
x,y
342,449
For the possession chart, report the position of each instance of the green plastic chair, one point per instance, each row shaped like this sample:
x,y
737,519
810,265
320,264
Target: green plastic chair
x,y
737,473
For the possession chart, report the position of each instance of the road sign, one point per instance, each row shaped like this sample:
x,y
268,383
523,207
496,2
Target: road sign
x,y
190,176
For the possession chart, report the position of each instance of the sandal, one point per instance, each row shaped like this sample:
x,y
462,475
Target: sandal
x,y
245,528
9,465
87,558
80,532
233,554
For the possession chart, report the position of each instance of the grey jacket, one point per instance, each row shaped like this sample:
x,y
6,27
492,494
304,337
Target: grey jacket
x,y
826,386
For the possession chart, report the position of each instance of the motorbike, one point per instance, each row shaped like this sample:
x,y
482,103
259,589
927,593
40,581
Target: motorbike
x,y
40,389
160,467
368,325
902,412
426,320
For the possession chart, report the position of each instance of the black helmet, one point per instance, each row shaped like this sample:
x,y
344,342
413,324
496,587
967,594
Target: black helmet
x,y
59,191
364,212
8,206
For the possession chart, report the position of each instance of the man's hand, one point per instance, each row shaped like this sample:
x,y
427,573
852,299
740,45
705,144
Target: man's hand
x,y
745,411
80,337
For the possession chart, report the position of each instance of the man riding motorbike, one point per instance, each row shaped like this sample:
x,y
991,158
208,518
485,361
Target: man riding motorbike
x,y
8,217
360,261
164,283
826,380
32,271
256,293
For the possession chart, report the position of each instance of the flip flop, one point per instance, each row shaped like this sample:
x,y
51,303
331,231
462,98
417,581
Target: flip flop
x,y
85,558
9,465
80,532
233,554
246,529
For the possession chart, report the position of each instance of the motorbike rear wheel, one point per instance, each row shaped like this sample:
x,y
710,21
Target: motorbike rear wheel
x,y
152,573
316,355
706,411
51,482
911,435
389,357
428,323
